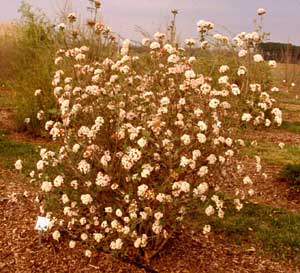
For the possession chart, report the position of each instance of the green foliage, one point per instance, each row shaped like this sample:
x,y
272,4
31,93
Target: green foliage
x,y
10,151
291,174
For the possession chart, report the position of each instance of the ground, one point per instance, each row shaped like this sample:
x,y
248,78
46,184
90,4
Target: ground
x,y
264,238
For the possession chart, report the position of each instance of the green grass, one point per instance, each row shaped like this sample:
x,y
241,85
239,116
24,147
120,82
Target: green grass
x,y
271,231
10,151
271,153
293,127
276,230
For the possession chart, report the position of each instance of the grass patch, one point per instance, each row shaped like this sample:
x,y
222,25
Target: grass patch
x,y
271,231
293,127
271,153
276,230
291,174
10,151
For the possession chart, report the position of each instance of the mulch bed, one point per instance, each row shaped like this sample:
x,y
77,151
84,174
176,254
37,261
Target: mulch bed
x,y
187,253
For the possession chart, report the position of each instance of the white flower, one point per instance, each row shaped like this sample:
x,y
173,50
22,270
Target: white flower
x,y
164,101
242,70
196,154
201,189
247,180
223,80
272,64
191,60
86,199
18,165
211,159
179,187
117,244
261,11
88,253
159,35
154,45
203,171
190,42
173,58
75,148
210,210
46,186
258,58
84,167
72,17
102,180
242,53
223,68
65,198
83,236
145,41
204,26
274,89
213,103
189,74
158,215
40,115
201,138
72,244
206,229
61,26
142,189
202,125
119,213
281,145
56,235
186,140
238,204
98,237
246,117
235,90
37,92
251,192
58,181
137,242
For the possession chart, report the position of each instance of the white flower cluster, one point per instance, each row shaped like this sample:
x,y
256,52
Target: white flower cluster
x,y
137,144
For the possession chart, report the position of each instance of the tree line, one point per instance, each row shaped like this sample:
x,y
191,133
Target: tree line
x,y
281,52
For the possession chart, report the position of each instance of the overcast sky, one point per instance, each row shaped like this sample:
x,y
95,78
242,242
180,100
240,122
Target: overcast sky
x,y
282,20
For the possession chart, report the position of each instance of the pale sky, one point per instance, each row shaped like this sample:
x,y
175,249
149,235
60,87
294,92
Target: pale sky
x,y
282,20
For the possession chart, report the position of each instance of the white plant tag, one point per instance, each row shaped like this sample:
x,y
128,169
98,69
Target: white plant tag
x,y
42,223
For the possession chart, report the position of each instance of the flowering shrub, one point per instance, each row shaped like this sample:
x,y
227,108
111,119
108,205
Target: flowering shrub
x,y
139,144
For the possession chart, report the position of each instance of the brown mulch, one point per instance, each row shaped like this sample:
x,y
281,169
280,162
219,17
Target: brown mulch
x,y
272,190
20,250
